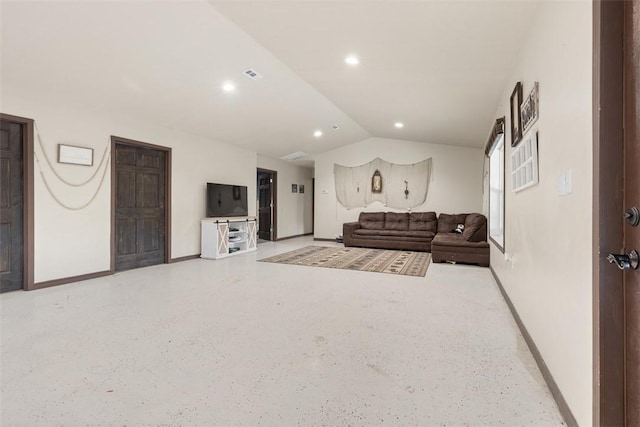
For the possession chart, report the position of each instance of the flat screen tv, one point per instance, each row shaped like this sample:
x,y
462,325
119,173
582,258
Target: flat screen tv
x,y
226,200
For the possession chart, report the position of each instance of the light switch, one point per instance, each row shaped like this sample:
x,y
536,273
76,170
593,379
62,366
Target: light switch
x,y
560,185
564,184
568,182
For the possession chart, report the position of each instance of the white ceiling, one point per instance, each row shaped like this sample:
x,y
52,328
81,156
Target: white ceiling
x,y
439,67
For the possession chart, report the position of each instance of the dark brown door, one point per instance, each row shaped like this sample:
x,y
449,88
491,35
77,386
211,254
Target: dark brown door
x,y
11,207
313,205
266,181
139,207
632,199
616,191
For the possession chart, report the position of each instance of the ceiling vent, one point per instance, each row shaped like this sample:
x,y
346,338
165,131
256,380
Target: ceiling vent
x,y
252,74
335,127
295,156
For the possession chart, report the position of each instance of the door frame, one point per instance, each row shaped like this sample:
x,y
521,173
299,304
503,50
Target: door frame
x,y
313,205
167,194
608,168
27,198
274,199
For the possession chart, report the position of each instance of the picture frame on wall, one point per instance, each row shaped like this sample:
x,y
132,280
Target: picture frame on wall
x,y
301,188
294,188
73,155
376,182
524,164
529,110
516,119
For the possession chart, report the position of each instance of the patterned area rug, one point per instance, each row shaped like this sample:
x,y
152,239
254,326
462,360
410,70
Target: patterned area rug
x,y
362,259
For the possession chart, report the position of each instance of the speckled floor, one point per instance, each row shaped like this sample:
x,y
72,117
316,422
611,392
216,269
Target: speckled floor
x,y
236,342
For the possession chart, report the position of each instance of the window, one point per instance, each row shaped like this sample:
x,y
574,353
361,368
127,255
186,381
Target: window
x,y
495,151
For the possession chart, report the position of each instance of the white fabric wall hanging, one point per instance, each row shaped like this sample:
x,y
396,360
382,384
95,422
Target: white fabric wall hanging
x,y
403,186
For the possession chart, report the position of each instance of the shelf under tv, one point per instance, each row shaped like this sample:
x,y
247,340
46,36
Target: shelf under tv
x,y
216,233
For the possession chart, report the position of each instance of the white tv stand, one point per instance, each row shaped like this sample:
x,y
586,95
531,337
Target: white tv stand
x,y
226,236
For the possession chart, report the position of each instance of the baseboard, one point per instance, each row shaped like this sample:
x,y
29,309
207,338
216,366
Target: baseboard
x,y
65,280
565,411
184,258
293,237
319,239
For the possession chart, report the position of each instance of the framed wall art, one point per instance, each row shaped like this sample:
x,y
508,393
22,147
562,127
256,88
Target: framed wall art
x,y
524,164
73,155
516,120
294,188
376,182
529,109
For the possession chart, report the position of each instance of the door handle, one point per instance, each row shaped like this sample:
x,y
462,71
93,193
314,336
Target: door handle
x,y
625,262
632,216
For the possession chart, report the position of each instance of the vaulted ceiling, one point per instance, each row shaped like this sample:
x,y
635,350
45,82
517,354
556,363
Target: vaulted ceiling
x,y
436,66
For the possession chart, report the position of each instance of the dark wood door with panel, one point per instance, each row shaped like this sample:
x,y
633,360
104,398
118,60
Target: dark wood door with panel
x,y
139,207
11,207
632,200
265,206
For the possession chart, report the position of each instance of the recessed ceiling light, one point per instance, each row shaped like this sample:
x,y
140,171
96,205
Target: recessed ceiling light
x,y
228,87
352,60
399,125
317,133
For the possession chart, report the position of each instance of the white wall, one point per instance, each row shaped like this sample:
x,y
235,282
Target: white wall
x,y
456,183
294,209
550,236
70,243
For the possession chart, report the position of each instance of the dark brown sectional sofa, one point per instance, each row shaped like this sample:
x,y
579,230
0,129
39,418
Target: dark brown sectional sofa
x,y
389,230
469,247
422,231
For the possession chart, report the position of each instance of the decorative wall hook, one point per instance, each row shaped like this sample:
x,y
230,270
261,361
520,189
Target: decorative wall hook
x,y
406,189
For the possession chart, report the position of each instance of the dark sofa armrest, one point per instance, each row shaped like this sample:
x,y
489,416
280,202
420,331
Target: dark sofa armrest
x,y
475,229
347,232
349,227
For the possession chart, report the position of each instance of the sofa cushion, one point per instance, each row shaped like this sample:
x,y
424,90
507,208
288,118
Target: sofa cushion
x,y
423,221
371,220
475,229
396,221
447,223
362,232
360,239
455,240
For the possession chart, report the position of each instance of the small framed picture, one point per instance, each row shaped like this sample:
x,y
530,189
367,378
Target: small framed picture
x,y
301,188
516,120
294,188
376,182
73,155
529,109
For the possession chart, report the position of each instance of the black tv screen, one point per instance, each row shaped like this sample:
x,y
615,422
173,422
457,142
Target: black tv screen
x,y
226,200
